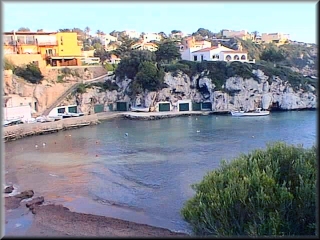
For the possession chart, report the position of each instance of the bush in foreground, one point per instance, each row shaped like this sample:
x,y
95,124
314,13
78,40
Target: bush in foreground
x,y
266,192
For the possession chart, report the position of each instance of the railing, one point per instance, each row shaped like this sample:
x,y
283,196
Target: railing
x,y
70,90
47,43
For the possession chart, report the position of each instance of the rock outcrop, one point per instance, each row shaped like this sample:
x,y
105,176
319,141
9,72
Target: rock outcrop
x,y
50,89
237,93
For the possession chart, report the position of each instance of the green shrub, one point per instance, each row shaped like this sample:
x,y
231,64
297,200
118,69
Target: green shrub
x,y
60,78
66,71
107,85
82,88
30,73
8,65
266,192
109,67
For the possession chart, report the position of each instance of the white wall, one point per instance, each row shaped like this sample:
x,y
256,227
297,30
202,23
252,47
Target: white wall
x,y
23,112
17,101
151,37
54,112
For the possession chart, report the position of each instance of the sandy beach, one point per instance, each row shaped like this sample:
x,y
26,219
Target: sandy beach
x,y
49,220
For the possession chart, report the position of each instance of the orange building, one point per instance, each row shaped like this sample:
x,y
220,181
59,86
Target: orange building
x,y
55,48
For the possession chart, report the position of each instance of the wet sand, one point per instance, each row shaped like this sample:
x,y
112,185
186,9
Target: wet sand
x,y
58,221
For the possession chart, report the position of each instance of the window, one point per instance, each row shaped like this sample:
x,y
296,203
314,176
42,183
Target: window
x,y
49,51
236,57
228,57
30,40
215,56
61,110
195,58
72,109
21,39
201,57
243,57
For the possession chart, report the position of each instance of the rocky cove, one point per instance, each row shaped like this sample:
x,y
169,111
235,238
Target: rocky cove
x,y
237,92
267,93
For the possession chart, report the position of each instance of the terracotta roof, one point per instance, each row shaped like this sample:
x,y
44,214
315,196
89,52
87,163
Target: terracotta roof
x,y
233,52
152,44
206,49
114,57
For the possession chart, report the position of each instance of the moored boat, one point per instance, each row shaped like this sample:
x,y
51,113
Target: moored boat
x,y
139,109
257,112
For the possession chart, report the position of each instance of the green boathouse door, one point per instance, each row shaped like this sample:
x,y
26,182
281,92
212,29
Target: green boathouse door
x,y
183,107
164,107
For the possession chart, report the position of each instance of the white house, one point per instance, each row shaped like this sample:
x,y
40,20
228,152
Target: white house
x,y
114,59
218,53
106,39
23,112
151,37
145,46
132,34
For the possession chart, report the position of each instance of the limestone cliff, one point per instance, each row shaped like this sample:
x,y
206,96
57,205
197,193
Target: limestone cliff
x,y
51,88
238,93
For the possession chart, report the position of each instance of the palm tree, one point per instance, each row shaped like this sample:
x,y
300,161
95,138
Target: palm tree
x,y
87,31
255,34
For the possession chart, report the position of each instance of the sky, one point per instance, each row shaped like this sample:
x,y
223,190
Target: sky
x,y
295,18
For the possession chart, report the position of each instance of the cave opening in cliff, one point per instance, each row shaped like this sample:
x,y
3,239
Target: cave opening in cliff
x,y
275,106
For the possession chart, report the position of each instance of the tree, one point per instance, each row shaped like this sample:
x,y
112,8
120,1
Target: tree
x,y
255,34
98,33
204,33
167,52
65,30
163,35
87,31
24,29
129,65
272,55
126,47
149,78
175,31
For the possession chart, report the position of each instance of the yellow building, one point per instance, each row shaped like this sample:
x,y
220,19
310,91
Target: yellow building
x,y
55,48
276,38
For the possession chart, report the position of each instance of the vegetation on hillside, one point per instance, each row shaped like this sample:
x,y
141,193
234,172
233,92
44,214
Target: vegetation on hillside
x,y
268,192
107,85
8,65
30,73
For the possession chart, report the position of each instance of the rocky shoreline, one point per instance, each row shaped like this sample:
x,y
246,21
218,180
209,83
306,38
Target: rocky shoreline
x,y
50,220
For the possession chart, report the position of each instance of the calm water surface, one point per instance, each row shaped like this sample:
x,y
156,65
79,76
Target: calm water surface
x,y
144,175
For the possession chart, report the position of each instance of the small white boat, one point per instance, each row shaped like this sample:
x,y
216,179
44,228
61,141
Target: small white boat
x,y
257,112
12,121
139,109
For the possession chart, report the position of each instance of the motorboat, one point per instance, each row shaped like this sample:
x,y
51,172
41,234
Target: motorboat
x,y
139,109
257,112
12,121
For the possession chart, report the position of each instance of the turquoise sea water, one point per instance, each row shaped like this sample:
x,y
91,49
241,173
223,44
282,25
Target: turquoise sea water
x,y
144,175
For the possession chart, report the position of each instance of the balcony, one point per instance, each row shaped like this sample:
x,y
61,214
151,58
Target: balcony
x,y
50,43
48,56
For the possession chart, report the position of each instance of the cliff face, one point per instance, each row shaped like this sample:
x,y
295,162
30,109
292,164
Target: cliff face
x,y
49,90
239,93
